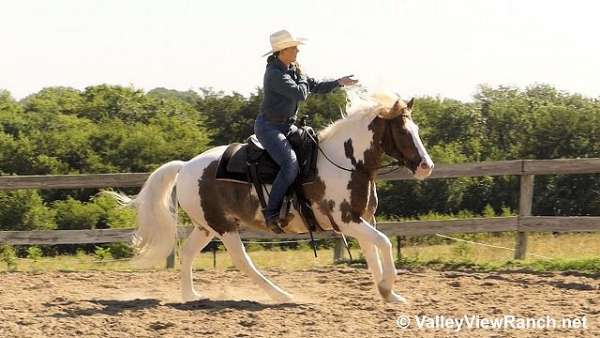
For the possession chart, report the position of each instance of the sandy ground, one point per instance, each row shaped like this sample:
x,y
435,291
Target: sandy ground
x,y
330,302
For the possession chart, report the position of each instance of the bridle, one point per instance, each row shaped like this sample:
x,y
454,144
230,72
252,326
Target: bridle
x,y
396,165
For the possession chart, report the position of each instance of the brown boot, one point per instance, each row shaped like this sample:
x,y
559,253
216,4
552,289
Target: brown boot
x,y
274,224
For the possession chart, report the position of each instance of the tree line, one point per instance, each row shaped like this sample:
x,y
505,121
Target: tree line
x,y
110,129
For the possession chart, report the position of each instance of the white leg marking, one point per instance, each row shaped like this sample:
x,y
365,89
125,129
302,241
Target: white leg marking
x,y
197,240
235,247
370,252
364,232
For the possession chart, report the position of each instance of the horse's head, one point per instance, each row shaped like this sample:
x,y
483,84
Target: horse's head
x,y
401,139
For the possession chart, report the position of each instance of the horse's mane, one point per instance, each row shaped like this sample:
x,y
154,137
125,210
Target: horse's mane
x,y
360,105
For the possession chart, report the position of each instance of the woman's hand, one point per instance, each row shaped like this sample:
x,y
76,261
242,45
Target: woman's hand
x,y
347,81
299,69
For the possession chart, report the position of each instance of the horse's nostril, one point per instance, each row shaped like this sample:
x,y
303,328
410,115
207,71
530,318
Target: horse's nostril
x,y
424,165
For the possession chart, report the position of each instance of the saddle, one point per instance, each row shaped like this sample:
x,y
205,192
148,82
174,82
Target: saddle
x,y
250,163
238,158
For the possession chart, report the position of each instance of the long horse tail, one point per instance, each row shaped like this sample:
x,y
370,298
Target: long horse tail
x,y
156,233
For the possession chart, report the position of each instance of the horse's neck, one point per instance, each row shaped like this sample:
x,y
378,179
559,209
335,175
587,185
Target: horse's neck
x,y
347,144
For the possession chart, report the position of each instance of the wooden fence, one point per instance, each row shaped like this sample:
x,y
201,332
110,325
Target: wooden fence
x,y
521,224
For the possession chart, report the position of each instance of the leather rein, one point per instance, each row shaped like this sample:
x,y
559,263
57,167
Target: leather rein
x,y
397,164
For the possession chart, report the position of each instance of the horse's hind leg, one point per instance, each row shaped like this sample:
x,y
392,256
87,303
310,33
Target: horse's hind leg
x,y
197,240
235,247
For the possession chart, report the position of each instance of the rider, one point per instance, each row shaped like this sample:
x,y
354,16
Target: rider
x,y
284,86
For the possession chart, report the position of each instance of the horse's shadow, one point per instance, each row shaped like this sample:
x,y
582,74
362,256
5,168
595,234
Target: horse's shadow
x,y
219,305
115,307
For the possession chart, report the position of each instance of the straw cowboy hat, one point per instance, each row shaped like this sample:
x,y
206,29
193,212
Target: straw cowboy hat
x,y
283,39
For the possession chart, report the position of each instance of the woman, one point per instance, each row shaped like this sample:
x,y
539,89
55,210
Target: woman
x,y
285,85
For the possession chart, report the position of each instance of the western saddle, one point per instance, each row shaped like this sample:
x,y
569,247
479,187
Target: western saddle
x,y
250,163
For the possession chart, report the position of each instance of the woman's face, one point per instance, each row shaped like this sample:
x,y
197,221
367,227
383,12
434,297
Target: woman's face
x,y
289,54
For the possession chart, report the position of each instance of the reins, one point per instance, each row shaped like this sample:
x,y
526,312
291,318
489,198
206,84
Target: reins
x,y
395,164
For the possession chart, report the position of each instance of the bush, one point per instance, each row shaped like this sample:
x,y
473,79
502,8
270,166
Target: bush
x,y
120,250
113,215
74,215
488,211
34,253
24,210
102,253
8,256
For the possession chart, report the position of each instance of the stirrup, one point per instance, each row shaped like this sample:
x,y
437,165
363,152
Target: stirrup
x,y
274,224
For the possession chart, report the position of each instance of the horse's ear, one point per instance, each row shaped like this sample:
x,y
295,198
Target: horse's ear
x,y
394,111
410,103
397,108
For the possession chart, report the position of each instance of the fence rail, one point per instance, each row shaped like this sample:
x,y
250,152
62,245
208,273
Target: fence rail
x,y
72,181
522,224
498,168
408,228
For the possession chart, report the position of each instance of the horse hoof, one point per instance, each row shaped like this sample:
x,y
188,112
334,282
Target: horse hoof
x,y
192,297
393,297
390,296
282,298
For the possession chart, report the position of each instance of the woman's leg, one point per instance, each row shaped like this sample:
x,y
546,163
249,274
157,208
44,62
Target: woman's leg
x,y
274,141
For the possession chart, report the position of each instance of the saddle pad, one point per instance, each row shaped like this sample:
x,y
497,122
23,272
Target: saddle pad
x,y
233,170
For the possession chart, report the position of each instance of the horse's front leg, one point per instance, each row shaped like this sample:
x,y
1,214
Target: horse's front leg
x,y
372,257
371,240
370,252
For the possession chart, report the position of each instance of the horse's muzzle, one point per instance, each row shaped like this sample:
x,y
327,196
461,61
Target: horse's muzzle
x,y
424,169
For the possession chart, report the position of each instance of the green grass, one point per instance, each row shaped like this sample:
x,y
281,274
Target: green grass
x,y
580,252
586,265
540,246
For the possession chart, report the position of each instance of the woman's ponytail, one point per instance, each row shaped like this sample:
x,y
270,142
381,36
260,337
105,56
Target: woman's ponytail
x,y
272,57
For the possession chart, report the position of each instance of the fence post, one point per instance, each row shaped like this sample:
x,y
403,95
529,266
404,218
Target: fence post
x,y
398,248
339,251
214,254
525,205
171,260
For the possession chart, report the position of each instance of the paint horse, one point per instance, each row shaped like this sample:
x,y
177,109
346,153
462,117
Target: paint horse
x,y
343,201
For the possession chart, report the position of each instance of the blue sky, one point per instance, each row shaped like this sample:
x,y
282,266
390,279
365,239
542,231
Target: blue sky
x,y
420,47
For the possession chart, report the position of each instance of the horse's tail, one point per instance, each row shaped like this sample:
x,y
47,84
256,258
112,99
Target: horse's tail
x,y
156,220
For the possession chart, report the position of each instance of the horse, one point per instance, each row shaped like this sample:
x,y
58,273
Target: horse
x,y
342,200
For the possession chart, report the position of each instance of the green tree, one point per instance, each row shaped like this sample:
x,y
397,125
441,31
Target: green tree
x,y
230,116
24,210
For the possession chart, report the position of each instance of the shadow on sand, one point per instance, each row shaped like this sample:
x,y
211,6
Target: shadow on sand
x,y
116,307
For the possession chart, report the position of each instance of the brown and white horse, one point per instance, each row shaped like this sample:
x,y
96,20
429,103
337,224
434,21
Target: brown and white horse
x,y
343,201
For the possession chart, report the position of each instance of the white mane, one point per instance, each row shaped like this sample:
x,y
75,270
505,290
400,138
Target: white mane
x,y
360,105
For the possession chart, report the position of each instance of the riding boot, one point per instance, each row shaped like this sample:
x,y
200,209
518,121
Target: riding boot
x,y
273,223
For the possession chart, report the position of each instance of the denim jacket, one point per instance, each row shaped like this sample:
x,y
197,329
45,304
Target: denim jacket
x,y
284,89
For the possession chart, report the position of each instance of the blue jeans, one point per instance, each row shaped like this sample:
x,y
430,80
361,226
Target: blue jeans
x,y
272,137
